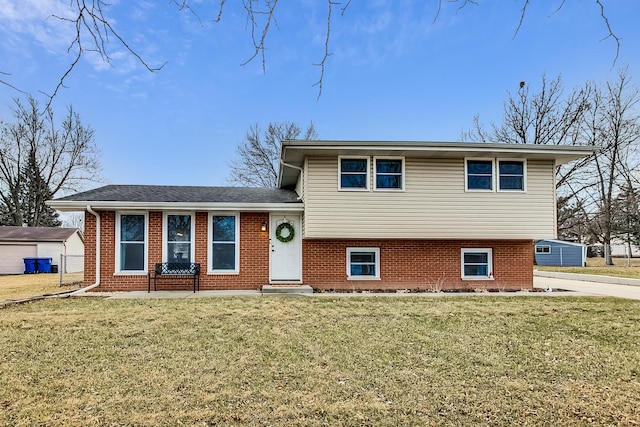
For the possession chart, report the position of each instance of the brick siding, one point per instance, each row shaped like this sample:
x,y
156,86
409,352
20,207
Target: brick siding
x,y
254,255
404,264
417,265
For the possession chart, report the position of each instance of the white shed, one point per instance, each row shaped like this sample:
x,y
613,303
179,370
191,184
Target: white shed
x,y
17,243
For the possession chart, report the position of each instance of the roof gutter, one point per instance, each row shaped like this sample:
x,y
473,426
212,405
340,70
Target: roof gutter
x,y
97,282
73,205
289,165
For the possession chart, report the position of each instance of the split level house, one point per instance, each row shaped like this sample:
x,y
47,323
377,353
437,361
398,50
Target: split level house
x,y
346,215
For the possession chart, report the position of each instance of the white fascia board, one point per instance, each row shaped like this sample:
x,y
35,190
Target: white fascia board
x,y
74,206
462,149
564,242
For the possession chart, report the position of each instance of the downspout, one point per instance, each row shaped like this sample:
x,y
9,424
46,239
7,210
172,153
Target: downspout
x,y
301,176
97,282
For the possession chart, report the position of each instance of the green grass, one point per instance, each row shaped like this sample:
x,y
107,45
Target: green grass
x,y
321,362
622,267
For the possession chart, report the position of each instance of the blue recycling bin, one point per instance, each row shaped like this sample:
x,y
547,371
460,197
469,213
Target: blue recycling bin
x,y
29,265
44,265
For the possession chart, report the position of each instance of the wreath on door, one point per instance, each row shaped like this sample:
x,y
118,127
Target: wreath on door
x,y
290,232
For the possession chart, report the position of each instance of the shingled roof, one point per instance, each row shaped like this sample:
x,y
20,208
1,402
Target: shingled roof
x,y
35,234
193,196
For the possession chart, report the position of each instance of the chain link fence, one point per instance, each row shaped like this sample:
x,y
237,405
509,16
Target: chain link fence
x,y
70,270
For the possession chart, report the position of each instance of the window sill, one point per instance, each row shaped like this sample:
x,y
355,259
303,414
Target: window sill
x,y
222,272
130,273
362,278
479,278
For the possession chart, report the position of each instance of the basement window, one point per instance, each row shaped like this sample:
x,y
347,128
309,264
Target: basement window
x,y
477,264
363,263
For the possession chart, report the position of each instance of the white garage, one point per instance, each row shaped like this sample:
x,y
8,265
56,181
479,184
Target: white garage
x,y
17,243
11,257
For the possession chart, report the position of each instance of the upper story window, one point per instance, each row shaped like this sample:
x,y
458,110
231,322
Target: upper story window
x,y
224,236
179,238
131,243
354,173
479,174
389,174
511,175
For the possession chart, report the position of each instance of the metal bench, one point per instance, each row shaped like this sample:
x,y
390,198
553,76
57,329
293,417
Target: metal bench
x,y
175,270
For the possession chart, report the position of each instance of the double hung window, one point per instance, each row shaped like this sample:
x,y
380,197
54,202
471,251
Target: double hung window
x,y
389,174
179,244
511,175
363,263
354,173
477,264
131,246
479,174
225,245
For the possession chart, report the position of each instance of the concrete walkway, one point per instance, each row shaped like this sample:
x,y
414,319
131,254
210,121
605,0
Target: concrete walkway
x,y
561,284
587,287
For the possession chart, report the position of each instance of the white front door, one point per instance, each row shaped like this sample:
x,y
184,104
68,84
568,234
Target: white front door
x,y
286,252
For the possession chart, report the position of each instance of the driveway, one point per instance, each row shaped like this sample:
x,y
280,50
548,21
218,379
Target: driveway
x,y
587,287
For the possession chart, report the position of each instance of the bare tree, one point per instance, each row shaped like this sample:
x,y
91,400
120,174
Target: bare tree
x,y
603,119
94,30
547,117
258,156
626,217
39,159
612,127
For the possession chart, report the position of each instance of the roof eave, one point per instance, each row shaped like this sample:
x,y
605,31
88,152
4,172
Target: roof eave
x,y
294,151
75,206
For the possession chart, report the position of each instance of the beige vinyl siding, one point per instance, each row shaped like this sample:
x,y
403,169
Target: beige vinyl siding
x,y
434,205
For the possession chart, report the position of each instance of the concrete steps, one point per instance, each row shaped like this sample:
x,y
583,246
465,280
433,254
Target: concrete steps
x,y
287,290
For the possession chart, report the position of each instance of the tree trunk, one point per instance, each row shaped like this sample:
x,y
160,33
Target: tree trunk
x,y
608,260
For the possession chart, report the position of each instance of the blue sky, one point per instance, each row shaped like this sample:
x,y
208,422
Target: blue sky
x,y
394,73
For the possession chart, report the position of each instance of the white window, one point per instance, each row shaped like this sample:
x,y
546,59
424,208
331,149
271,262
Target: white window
x,y
224,246
479,174
353,173
178,237
477,263
363,263
389,173
543,249
512,175
131,243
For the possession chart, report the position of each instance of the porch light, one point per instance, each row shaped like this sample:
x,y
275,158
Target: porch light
x,y
263,227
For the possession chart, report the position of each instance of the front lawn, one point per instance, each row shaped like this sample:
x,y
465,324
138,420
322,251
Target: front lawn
x,y
19,286
321,361
623,267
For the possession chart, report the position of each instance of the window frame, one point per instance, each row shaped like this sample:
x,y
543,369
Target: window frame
x,y
165,235
493,174
524,175
210,242
489,252
367,173
543,252
402,173
376,251
118,253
